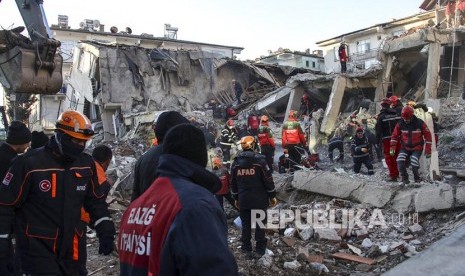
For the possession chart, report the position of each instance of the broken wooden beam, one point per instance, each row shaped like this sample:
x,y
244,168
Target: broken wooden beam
x,y
354,258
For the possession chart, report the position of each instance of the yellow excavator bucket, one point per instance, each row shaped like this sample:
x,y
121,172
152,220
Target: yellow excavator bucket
x,y
20,72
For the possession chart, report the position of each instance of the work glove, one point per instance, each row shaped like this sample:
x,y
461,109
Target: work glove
x,y
236,204
273,202
364,150
105,245
392,152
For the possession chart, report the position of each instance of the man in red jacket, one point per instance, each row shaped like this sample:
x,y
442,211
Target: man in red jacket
x,y
413,134
343,57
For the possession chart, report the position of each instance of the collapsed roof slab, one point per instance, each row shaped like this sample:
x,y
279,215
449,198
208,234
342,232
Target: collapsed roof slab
x,y
418,39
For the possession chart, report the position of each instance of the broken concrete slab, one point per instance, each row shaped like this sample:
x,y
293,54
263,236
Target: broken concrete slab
x,y
425,198
325,183
402,201
430,197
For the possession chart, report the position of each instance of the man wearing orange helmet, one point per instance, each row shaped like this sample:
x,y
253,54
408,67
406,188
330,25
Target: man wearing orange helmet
x,y
293,139
266,141
42,195
413,134
253,188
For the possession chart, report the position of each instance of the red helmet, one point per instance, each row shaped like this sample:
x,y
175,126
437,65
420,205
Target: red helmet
x,y
407,112
359,129
230,123
386,101
305,97
394,100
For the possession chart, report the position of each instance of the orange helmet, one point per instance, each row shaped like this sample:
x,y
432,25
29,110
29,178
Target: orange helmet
x,y
247,142
264,119
75,124
292,114
217,163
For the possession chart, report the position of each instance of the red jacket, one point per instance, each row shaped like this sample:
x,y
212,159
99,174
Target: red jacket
x,y
342,54
265,137
412,136
292,134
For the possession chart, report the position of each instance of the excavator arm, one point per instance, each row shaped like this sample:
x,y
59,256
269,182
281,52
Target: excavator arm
x,y
30,65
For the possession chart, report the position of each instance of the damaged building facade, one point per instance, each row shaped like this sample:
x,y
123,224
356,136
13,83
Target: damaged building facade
x,y
45,111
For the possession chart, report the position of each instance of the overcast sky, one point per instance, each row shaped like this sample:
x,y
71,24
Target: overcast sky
x,y
256,25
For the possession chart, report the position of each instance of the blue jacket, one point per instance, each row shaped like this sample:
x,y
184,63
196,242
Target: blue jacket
x,y
176,227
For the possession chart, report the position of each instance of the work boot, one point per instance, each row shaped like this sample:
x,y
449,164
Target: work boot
x,y
418,179
391,179
405,180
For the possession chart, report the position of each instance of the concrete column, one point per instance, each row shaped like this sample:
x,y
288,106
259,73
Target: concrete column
x,y
294,100
384,80
461,74
334,105
432,78
108,126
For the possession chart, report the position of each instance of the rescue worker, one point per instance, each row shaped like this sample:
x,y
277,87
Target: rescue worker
x,y
253,188
343,57
227,140
253,123
413,134
102,155
38,139
306,108
360,152
385,124
293,139
237,88
17,141
450,13
42,196
266,141
179,226
396,104
352,125
146,167
336,142
284,164
225,178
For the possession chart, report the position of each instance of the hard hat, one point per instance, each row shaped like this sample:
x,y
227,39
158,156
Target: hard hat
x,y
264,118
75,124
359,129
305,97
292,114
407,112
412,103
385,101
216,162
230,123
394,99
247,142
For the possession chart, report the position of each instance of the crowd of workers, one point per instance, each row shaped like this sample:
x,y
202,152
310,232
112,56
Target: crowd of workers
x,y
53,191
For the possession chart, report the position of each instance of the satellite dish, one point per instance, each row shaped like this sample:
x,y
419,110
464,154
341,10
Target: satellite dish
x,y
128,30
113,30
96,24
82,24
